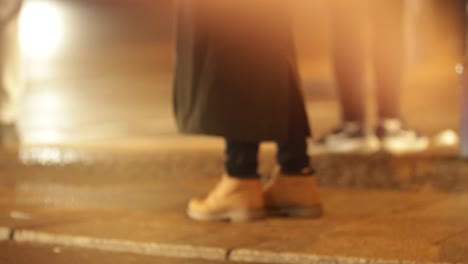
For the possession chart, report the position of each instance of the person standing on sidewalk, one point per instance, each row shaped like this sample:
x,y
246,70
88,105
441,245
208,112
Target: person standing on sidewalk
x,y
349,20
236,77
10,80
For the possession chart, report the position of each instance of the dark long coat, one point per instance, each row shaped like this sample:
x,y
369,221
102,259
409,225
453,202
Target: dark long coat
x,y
236,73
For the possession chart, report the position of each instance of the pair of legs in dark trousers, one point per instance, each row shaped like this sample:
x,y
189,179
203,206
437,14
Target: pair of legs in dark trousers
x,y
350,46
242,158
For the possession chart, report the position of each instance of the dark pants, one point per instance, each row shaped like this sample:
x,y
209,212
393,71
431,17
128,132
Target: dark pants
x,y
242,158
349,20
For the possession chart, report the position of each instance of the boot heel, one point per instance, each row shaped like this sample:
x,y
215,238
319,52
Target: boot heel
x,y
300,212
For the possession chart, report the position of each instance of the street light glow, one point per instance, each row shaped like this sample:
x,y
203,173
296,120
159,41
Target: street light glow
x,y
41,30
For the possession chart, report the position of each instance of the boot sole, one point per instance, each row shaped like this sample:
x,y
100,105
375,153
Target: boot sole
x,y
232,215
300,212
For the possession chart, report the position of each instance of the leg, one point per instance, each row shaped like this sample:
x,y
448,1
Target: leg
x,y
241,159
388,55
293,158
349,19
349,54
389,62
293,191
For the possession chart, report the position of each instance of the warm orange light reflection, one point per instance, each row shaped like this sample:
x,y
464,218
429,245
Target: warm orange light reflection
x,y
41,29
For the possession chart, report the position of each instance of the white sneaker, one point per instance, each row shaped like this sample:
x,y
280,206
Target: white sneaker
x,y
350,137
397,139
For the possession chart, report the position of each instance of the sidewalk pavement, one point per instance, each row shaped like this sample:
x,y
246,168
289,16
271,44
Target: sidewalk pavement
x,y
129,205
52,254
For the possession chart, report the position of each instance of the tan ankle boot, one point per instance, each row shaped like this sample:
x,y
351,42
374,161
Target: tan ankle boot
x,y
295,196
233,199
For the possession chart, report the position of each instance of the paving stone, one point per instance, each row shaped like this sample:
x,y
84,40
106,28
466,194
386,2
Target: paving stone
x,y
450,214
18,216
369,241
157,234
130,195
341,208
444,172
340,203
20,209
28,253
412,234
127,246
246,255
167,231
29,218
146,215
455,248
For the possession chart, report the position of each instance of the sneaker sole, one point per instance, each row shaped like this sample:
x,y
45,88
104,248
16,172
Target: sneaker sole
x,y
391,147
232,215
367,146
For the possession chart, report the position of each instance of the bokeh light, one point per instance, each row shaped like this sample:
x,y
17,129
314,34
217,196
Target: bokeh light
x,y
41,30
